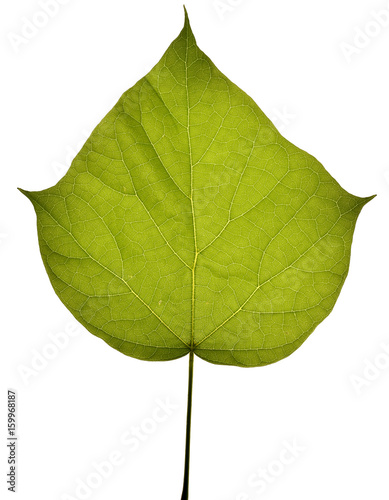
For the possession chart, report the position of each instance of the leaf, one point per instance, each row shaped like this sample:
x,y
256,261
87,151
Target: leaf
x,y
188,223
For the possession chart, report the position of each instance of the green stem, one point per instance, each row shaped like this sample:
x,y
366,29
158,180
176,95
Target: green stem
x,y
185,489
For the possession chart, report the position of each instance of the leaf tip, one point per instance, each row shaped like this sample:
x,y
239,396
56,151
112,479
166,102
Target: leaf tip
x,y
31,195
26,193
187,28
368,198
186,15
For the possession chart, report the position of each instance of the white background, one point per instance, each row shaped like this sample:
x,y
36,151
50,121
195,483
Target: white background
x,y
289,57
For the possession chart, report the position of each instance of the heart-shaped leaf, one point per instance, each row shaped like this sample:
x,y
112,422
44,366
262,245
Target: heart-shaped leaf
x,y
188,223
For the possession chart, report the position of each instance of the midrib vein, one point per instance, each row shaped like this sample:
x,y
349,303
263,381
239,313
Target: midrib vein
x,y
191,192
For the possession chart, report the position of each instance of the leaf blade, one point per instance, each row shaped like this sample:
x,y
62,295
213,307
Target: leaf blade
x,y
187,222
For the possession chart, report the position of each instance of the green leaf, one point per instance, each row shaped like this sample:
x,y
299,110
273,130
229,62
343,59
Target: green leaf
x,y
188,223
